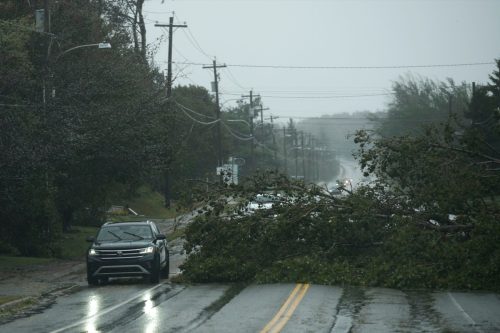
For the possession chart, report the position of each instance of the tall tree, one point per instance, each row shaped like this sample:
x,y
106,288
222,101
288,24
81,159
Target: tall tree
x,y
420,102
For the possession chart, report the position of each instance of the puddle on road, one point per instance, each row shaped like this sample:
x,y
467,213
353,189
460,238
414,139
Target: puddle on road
x,y
424,317
213,308
350,304
145,306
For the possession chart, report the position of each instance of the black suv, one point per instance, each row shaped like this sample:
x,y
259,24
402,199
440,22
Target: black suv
x,y
127,249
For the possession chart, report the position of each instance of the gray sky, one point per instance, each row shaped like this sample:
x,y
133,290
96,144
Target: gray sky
x,y
325,33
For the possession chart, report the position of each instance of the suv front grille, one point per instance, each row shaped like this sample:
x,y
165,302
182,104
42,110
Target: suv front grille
x,y
119,254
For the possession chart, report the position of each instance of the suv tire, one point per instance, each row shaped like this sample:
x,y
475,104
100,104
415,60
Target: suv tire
x,y
165,271
155,271
92,281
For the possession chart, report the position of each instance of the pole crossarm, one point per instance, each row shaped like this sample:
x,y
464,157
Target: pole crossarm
x,y
170,25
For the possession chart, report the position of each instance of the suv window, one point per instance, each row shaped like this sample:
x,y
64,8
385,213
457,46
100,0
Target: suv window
x,y
155,229
124,232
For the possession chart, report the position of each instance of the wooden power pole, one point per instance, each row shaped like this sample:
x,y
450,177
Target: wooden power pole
x,y
170,27
214,67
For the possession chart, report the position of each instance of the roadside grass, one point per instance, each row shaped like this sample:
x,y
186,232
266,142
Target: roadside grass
x,y
8,262
7,299
147,203
20,303
178,233
74,244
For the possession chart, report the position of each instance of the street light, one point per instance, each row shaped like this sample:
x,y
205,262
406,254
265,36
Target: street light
x,y
103,45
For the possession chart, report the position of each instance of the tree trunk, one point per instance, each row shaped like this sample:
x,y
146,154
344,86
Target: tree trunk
x,y
67,216
142,28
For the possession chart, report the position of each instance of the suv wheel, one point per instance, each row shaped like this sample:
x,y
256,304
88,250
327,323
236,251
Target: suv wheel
x,y
166,270
92,281
155,271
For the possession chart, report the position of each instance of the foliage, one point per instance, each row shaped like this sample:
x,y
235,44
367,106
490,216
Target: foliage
x,y
76,120
419,102
363,238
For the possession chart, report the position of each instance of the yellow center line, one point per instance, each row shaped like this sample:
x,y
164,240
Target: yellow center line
x,y
287,309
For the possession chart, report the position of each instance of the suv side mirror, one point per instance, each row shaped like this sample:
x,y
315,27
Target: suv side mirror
x,y
161,237
90,239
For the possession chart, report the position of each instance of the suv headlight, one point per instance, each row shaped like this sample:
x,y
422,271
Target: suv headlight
x,y
146,250
92,252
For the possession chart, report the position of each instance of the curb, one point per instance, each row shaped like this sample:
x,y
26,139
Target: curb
x,y
55,292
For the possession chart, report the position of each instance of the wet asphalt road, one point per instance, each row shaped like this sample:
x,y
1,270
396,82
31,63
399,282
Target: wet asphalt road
x,y
136,306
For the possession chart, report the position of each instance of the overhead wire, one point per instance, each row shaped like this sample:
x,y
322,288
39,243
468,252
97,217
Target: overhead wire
x,y
198,121
316,97
353,67
231,131
233,79
189,35
192,111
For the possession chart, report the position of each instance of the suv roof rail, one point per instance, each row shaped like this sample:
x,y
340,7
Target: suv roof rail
x,y
133,221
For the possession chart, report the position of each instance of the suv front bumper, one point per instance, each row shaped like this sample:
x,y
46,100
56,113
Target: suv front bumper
x,y
98,267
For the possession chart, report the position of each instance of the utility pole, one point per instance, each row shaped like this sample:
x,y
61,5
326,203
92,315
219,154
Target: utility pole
x,y
314,160
284,150
296,148
261,110
170,27
303,156
214,67
274,143
310,157
251,115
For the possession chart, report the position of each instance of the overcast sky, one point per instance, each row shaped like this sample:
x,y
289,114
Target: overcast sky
x,y
327,33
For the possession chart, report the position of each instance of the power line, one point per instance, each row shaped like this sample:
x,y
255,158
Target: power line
x,y
352,67
317,97
196,120
196,113
234,134
194,42
234,80
343,91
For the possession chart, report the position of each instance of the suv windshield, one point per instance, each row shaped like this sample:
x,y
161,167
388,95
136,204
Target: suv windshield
x,y
124,232
265,198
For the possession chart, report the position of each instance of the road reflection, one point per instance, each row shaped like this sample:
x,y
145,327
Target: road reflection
x,y
93,307
151,313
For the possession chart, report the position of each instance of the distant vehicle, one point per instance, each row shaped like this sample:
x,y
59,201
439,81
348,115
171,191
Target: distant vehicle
x,y
262,201
345,183
335,191
127,249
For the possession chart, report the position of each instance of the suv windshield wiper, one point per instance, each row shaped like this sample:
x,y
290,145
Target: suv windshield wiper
x,y
132,234
111,232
